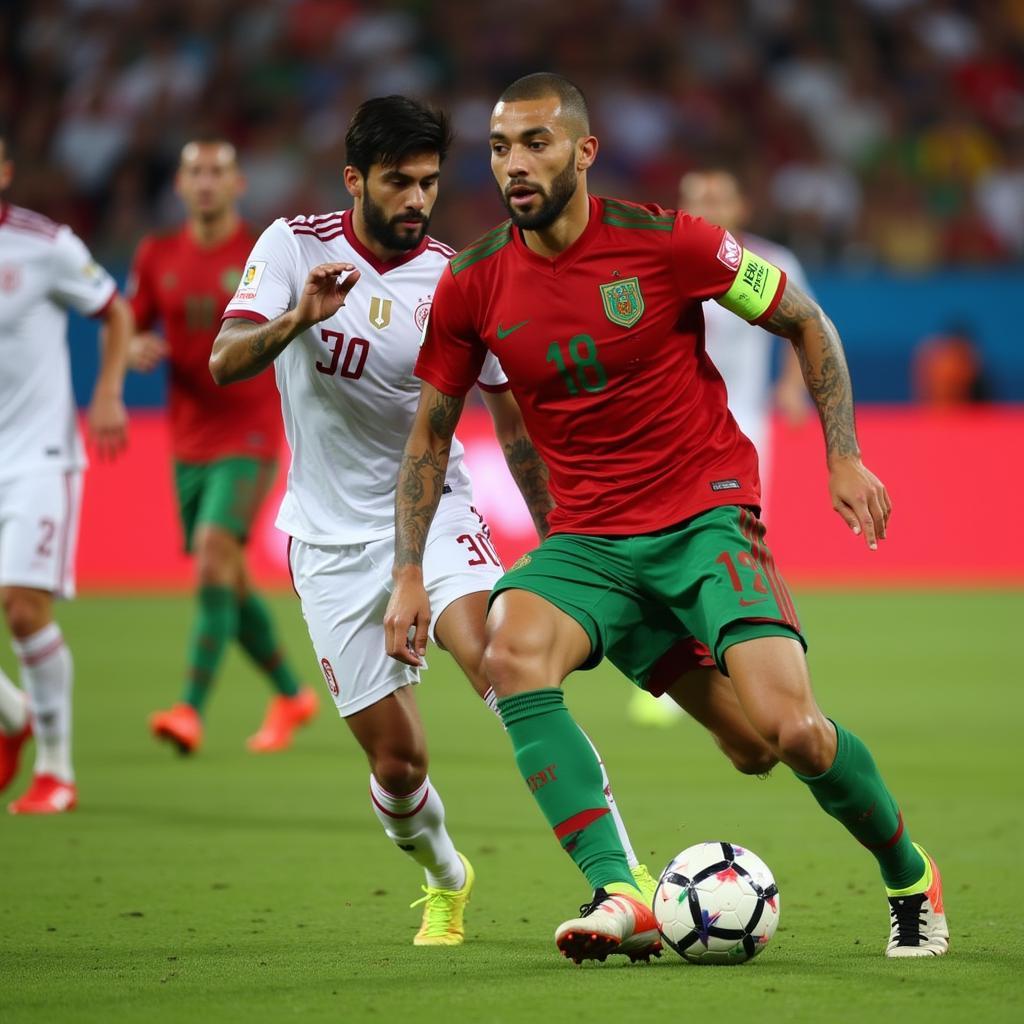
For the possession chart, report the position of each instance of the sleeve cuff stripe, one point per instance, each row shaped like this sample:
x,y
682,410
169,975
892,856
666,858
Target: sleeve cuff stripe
x,y
244,314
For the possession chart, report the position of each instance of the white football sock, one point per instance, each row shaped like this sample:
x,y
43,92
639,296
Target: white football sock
x,y
491,700
620,825
415,824
13,707
46,674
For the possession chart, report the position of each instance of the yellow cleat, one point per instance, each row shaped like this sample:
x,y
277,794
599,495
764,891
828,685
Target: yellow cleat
x,y
645,882
442,912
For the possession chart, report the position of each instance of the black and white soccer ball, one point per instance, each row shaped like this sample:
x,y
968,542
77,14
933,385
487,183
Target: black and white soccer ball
x,y
717,903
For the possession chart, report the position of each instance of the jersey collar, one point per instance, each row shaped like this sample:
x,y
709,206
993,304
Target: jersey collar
x,y
381,266
570,255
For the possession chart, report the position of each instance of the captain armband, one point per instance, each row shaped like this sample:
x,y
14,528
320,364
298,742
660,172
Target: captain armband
x,y
754,288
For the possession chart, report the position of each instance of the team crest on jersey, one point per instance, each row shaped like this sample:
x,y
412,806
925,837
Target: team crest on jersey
x,y
332,682
380,312
520,563
422,314
623,301
250,283
729,252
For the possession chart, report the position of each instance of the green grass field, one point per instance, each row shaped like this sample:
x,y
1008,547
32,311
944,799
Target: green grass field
x,y
233,888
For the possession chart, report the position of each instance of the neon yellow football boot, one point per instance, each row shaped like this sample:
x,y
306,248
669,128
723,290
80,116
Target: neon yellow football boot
x,y
442,912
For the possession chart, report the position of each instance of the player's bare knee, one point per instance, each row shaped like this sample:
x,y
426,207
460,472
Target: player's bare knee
x,y
216,560
26,611
398,774
512,666
806,744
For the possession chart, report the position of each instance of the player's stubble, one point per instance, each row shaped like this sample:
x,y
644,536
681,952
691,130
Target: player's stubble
x,y
385,229
553,200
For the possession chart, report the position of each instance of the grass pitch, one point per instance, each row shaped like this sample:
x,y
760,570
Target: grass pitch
x,y
228,887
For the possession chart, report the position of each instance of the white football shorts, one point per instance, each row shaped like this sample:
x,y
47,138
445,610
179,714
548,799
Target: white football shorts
x,y
344,590
39,531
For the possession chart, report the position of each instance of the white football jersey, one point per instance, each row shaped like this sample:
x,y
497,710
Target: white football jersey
x,y
743,353
348,393
44,271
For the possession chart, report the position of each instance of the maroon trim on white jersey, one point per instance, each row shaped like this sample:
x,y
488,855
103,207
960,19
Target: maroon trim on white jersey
x,y
4,207
435,246
381,266
495,389
244,314
17,218
325,226
105,305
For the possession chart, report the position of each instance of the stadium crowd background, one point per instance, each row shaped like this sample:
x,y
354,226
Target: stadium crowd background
x,y
871,133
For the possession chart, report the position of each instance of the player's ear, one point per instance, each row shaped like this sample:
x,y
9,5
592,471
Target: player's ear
x,y
586,152
353,179
241,184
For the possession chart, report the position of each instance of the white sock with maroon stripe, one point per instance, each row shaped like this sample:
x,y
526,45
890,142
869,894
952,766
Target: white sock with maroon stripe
x,y
415,824
491,700
13,707
46,674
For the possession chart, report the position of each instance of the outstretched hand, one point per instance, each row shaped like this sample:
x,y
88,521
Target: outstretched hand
x,y
325,291
860,498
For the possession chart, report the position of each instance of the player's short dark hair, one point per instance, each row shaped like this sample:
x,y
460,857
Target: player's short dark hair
x,y
542,84
387,129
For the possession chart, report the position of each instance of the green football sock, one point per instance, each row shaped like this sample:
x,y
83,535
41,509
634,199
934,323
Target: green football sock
x,y
852,791
216,623
564,776
259,640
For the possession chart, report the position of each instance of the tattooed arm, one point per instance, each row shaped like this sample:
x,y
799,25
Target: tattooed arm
x,y
243,349
420,485
857,494
526,466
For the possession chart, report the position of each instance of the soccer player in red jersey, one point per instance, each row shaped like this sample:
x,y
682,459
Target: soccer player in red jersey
x,y
224,442
656,557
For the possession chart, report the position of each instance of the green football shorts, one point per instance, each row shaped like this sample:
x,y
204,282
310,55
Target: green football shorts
x,y
225,493
658,604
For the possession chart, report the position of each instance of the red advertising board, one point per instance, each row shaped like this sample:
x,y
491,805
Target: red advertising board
x,y
952,476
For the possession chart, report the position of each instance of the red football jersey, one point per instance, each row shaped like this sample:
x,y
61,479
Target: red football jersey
x,y
185,286
604,350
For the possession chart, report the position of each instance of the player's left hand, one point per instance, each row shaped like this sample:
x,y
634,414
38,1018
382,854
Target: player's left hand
x,y
860,498
108,425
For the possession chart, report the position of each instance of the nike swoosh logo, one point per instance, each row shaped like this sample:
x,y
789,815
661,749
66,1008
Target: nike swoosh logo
x,y
747,604
504,334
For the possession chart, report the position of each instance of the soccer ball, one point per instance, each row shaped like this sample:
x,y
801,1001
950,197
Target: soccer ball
x,y
717,903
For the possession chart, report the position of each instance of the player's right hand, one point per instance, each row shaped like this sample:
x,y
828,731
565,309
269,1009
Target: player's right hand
x,y
145,351
406,621
325,291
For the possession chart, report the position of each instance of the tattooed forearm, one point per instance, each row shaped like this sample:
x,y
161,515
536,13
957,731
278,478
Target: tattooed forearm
x,y
420,486
823,364
444,414
243,349
531,476
421,474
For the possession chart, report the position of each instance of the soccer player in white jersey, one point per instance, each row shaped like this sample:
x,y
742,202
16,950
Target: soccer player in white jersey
x,y
338,303
742,354
45,270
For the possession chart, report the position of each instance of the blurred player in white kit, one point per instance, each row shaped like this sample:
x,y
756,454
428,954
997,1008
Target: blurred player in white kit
x,y
338,304
45,270
743,355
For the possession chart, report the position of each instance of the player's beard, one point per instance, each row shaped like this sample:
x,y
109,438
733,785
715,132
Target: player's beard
x,y
553,201
385,229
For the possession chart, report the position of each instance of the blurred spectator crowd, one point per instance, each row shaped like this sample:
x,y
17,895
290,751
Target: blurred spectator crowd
x,y
869,132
